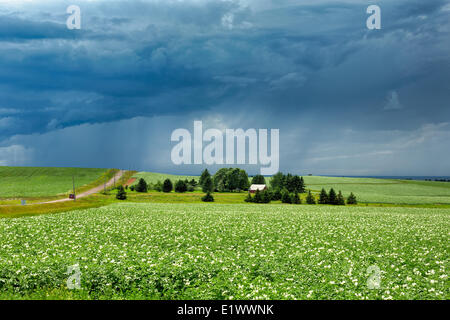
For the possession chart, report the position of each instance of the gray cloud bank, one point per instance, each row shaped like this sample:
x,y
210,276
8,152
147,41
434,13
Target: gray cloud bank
x,y
346,100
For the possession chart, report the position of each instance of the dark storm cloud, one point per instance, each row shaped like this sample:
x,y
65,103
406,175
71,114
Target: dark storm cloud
x,y
310,68
12,29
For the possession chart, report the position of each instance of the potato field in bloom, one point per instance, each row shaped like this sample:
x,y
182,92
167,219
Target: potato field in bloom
x,y
220,251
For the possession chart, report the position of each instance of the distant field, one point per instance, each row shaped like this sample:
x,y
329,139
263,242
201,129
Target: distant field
x,y
27,182
385,190
219,251
41,182
366,189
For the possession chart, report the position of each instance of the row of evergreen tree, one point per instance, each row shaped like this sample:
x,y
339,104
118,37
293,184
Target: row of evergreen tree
x,y
285,196
165,186
267,196
336,199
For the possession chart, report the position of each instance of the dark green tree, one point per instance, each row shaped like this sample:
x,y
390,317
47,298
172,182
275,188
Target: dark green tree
x,y
258,197
233,178
203,177
249,198
290,183
285,196
208,185
340,199
220,187
258,179
181,186
244,184
220,179
208,197
167,186
278,181
323,198
295,199
332,197
276,195
230,180
295,184
193,183
141,186
352,199
310,198
302,187
266,196
121,194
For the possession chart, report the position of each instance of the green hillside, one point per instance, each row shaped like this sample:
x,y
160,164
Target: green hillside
x,y
42,182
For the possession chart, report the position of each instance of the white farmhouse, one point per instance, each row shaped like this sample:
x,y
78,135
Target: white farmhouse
x,y
254,187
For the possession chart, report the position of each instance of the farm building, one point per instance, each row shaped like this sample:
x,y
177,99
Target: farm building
x,y
254,187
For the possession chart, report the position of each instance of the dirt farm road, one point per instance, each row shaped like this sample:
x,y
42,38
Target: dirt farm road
x,y
91,191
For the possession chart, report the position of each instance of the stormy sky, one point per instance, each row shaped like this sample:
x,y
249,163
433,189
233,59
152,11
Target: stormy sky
x,y
347,100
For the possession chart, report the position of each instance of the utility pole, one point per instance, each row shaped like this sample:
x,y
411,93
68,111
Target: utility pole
x,y
73,183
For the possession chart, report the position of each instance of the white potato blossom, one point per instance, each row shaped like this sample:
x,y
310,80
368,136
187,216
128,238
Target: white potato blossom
x,y
220,251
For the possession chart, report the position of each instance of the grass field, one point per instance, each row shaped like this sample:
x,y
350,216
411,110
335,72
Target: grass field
x,y
33,182
219,251
386,190
367,190
94,201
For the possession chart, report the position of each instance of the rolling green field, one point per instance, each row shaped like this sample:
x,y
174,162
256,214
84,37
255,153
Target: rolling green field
x,y
385,190
30,182
366,189
172,246
219,251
